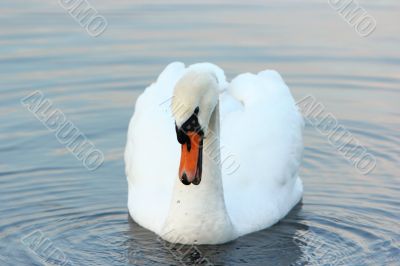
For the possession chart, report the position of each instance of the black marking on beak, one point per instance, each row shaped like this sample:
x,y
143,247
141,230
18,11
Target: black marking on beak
x,y
181,136
184,179
191,125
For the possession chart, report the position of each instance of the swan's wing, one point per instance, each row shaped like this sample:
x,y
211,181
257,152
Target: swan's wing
x,y
261,149
152,152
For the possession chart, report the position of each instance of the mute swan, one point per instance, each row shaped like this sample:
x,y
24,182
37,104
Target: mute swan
x,y
183,126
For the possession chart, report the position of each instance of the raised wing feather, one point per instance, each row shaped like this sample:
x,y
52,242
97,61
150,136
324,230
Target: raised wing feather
x,y
262,134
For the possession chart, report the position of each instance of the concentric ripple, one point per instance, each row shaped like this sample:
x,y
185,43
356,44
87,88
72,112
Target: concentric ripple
x,y
56,212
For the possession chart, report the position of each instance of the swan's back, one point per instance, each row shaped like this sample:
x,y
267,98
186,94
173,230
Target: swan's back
x,y
261,133
261,146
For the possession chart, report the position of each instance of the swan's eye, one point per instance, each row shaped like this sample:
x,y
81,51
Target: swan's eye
x,y
191,125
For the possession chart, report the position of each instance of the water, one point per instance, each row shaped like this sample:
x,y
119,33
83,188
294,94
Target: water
x,y
345,218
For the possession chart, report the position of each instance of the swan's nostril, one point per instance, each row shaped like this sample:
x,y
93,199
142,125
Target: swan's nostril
x,y
184,179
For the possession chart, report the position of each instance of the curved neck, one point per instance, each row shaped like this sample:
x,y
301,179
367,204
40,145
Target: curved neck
x,y
198,213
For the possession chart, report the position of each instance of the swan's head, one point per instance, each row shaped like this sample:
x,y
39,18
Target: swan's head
x,y
195,98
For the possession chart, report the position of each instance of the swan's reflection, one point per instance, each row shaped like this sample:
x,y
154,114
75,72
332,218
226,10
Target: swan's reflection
x,y
273,246
278,245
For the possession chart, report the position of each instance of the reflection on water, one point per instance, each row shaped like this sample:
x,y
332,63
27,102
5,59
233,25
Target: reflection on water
x,y
345,218
280,244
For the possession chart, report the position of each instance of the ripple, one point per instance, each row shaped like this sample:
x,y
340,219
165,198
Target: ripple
x,y
345,218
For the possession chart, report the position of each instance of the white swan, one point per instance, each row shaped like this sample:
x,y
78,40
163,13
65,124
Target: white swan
x,y
243,178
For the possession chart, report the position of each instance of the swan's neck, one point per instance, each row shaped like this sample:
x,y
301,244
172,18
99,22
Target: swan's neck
x,y
197,213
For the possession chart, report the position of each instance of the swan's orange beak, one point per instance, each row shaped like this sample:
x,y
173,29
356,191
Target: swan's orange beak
x,y
191,159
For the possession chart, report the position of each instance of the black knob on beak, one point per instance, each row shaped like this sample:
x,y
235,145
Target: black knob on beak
x,y
184,179
181,136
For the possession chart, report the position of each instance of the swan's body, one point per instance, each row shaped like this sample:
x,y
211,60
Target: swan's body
x,y
251,156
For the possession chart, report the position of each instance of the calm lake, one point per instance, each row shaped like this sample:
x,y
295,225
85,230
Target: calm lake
x,y
54,211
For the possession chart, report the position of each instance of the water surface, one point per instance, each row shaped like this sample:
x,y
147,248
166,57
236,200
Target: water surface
x,y
346,218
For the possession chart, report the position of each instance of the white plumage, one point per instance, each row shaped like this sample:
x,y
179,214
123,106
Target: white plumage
x,y
260,144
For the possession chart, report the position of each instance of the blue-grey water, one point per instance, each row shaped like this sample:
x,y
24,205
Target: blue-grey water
x,y
54,211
